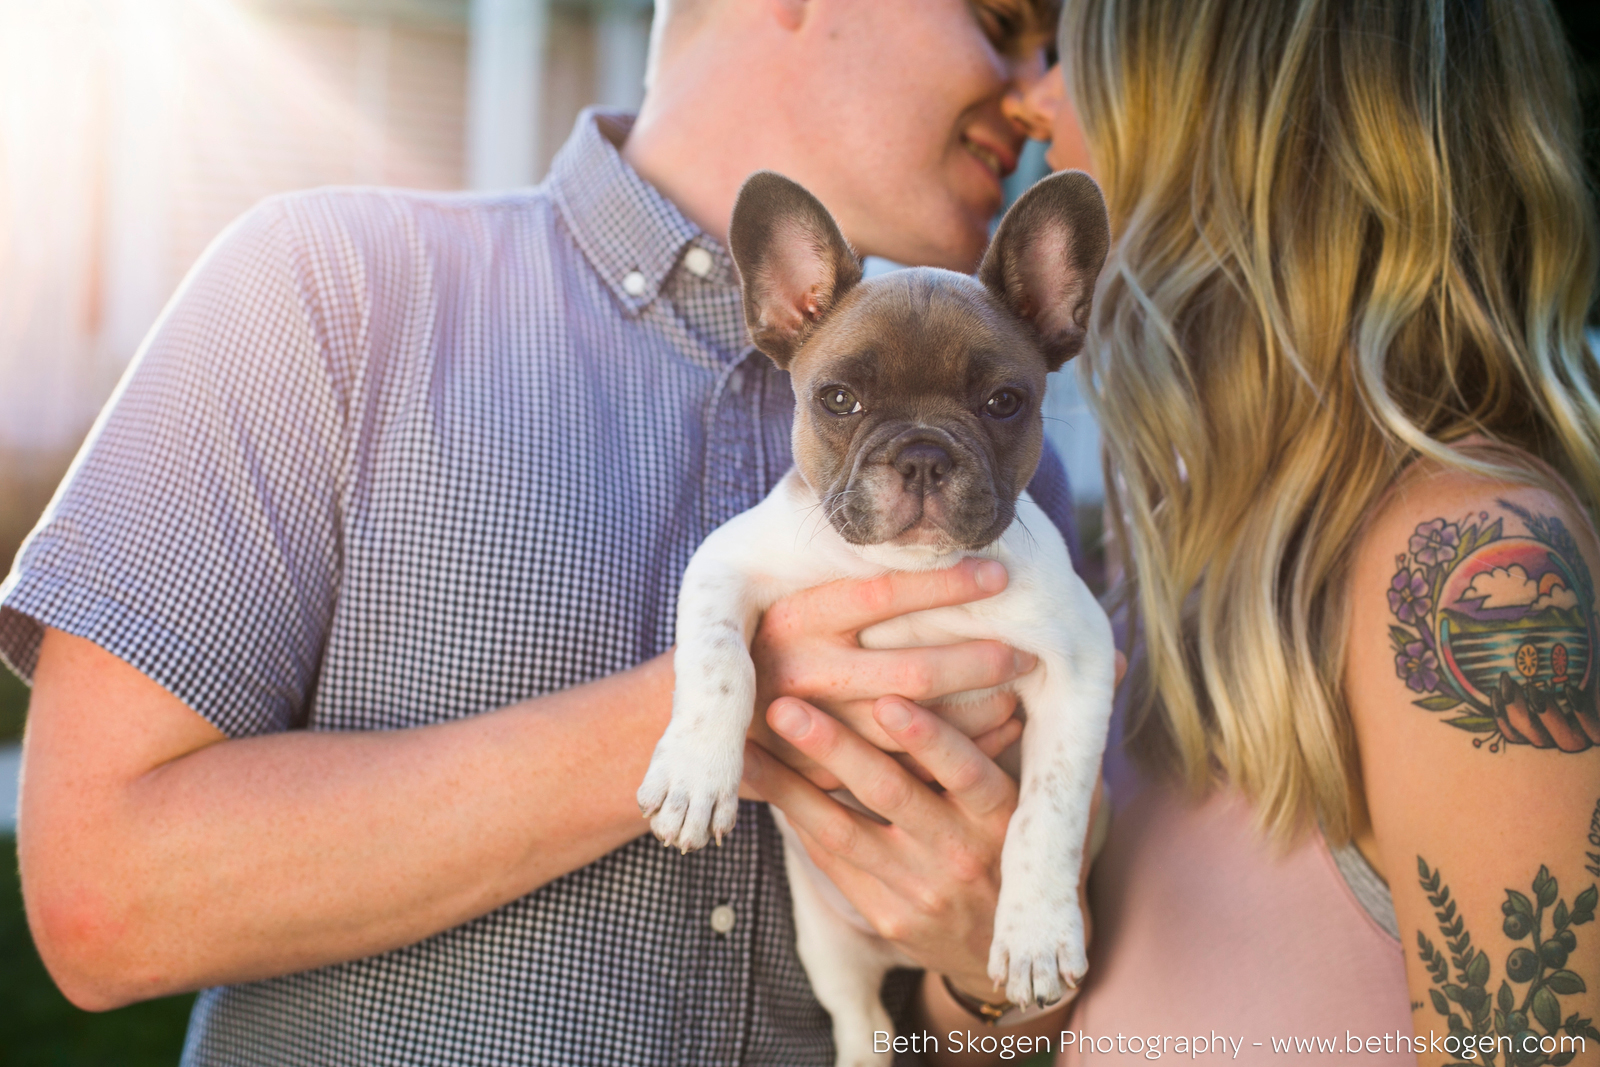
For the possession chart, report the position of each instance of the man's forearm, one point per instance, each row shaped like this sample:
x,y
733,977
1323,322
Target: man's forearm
x,y
250,858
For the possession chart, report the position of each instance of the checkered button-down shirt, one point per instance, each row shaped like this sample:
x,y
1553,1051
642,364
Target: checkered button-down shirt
x,y
391,459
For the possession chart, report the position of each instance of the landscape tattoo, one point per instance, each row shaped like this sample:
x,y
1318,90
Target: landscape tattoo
x,y
1527,1005
1499,630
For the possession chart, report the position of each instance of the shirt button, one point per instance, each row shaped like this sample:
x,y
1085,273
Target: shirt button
x,y
722,918
698,260
633,283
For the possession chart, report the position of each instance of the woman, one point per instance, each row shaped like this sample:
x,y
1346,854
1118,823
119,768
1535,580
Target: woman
x,y
1353,451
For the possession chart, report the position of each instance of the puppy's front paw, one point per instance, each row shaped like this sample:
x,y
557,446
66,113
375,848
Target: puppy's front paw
x,y
1038,951
690,802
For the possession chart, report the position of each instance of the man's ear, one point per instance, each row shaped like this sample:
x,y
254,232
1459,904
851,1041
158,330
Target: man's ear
x,y
793,262
1046,256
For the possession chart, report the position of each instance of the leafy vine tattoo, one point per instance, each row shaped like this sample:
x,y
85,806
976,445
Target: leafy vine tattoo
x,y
1500,630
1462,996
1593,866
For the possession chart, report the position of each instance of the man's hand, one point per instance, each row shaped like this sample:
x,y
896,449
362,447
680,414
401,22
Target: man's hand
x,y
930,880
808,646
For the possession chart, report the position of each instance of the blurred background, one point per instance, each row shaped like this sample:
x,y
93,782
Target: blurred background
x,y
133,131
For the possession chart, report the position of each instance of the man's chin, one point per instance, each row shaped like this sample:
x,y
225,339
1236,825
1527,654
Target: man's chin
x,y
958,244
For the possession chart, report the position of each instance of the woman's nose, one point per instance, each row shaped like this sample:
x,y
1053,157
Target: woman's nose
x,y
1035,97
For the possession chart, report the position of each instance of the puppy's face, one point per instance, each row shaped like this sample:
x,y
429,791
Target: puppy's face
x,y
918,394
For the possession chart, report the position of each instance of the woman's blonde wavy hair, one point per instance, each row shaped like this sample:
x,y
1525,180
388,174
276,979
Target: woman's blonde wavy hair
x,y
1347,233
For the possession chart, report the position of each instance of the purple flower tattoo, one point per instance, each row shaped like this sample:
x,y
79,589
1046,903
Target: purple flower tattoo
x,y
1435,542
1408,596
1419,667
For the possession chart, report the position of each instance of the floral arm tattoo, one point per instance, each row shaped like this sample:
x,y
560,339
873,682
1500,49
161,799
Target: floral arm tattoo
x,y
1523,1024
1499,630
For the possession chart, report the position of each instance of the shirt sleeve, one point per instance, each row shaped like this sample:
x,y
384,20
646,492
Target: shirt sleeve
x,y
1052,491
196,536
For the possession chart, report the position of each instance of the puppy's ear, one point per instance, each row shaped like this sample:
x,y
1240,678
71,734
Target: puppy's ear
x,y
1046,256
793,262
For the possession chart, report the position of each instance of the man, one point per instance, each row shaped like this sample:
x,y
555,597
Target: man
x,y
350,630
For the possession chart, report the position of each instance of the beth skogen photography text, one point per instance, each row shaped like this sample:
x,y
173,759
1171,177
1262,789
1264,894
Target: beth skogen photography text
x,y
1207,1046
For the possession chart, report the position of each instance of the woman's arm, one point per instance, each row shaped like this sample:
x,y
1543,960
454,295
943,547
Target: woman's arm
x,y
1472,687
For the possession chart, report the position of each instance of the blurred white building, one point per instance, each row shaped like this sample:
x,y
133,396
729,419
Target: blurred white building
x,y
133,131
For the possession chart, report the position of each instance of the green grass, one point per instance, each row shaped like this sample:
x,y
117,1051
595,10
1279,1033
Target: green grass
x,y
13,706
39,1028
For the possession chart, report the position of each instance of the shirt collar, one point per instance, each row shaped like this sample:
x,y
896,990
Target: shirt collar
x,y
632,235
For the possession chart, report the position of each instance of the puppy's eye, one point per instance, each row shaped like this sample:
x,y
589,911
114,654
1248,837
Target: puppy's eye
x,y
1002,404
840,401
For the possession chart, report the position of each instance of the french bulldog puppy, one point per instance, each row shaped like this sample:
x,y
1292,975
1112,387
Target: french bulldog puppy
x,y
917,428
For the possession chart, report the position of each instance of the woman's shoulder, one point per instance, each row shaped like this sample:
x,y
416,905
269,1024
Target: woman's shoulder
x,y
1478,587
1499,479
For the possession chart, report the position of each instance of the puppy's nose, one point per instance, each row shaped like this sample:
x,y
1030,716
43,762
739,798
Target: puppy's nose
x,y
923,463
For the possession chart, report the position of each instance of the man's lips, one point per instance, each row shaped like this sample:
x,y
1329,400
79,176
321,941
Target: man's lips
x,y
997,158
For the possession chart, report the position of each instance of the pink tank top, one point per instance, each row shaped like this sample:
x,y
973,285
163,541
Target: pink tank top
x,y
1213,947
